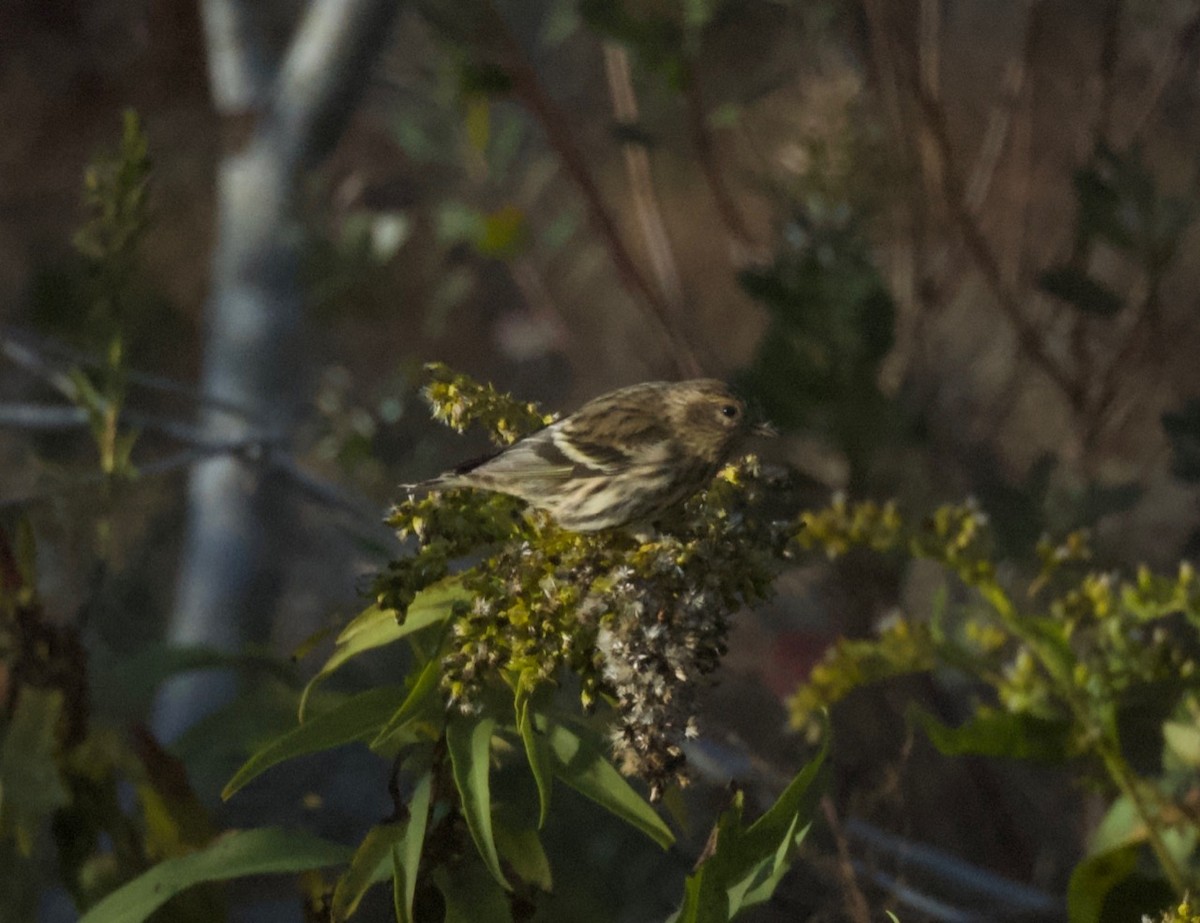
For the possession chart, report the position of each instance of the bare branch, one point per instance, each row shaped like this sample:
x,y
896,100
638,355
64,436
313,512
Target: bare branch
x,y
14,345
528,89
1028,335
743,241
641,183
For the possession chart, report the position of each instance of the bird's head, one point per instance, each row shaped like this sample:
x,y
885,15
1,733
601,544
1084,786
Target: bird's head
x,y
711,420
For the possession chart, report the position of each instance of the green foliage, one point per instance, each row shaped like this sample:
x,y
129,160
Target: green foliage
x,y
1119,205
31,787
65,783
743,864
831,324
116,197
267,851
575,657
1183,430
1083,667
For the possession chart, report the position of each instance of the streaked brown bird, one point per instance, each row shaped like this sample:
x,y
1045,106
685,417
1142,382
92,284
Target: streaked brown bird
x,y
622,458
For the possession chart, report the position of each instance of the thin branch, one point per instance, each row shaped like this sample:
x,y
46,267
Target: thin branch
x,y
1012,89
33,359
641,182
706,154
1028,335
857,908
1169,67
308,485
528,89
1110,50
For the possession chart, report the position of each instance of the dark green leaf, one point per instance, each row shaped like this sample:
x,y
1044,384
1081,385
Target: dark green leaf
x,y
359,718
522,849
406,856
743,865
420,694
997,733
1093,879
31,787
367,867
537,752
1077,288
472,895
485,79
580,759
1183,430
376,627
269,851
468,739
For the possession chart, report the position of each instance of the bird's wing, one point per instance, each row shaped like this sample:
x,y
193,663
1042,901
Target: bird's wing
x,y
535,458
613,434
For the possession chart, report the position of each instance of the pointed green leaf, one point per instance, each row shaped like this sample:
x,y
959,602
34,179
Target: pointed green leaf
x,y
1093,879
31,787
1077,288
1183,741
468,739
269,851
579,757
537,751
744,865
423,686
375,627
406,855
472,895
522,849
359,718
26,554
374,854
991,732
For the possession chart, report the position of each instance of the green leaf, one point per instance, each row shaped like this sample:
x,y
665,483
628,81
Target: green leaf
x,y
359,718
1093,879
744,865
579,758
522,849
268,851
477,122
537,752
31,787
468,739
990,732
504,233
472,895
1183,430
373,856
1077,288
406,855
376,627
423,686
25,551
1183,741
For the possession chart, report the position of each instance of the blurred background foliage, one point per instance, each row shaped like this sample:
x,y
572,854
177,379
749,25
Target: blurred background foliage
x,y
948,247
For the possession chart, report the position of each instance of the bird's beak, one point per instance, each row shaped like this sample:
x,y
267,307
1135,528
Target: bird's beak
x,y
764,429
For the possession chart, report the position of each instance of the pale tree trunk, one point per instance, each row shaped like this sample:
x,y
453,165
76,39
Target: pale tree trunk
x,y
285,116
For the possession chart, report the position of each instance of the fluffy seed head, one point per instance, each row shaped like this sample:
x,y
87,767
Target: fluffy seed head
x,y
624,457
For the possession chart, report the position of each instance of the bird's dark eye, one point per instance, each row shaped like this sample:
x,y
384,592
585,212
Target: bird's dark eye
x,y
730,411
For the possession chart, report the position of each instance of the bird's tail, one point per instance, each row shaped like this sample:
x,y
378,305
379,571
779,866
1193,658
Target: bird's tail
x,y
441,482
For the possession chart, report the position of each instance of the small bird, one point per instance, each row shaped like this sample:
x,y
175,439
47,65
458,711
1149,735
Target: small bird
x,y
622,458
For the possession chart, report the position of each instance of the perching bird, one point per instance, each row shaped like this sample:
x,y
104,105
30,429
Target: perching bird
x,y
622,458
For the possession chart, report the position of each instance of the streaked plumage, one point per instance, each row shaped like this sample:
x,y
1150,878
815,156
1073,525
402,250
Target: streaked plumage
x,y
622,458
